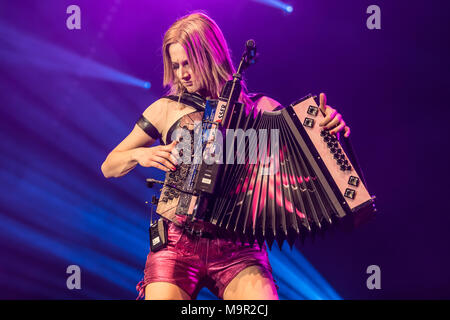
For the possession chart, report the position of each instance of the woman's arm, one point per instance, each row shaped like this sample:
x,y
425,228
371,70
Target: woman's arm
x,y
123,158
135,149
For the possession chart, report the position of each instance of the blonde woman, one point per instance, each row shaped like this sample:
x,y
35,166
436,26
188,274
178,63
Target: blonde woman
x,y
197,64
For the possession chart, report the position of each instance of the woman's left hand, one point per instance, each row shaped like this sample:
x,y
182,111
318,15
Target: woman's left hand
x,y
333,120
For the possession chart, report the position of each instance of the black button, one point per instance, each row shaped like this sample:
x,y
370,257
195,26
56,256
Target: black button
x,y
312,110
308,122
350,193
354,181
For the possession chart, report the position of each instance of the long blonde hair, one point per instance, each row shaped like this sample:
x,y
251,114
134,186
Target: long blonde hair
x,y
207,52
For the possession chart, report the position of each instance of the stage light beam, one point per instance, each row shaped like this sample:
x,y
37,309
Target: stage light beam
x,y
48,56
277,4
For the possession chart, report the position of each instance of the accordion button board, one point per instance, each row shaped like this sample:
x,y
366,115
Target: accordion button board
x,y
327,157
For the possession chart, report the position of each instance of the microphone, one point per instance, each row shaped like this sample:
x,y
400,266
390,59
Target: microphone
x,y
250,48
248,57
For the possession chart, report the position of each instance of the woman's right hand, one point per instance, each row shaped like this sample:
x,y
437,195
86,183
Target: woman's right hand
x,y
160,157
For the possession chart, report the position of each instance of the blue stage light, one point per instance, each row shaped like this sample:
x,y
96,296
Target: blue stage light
x,y
277,4
48,56
299,278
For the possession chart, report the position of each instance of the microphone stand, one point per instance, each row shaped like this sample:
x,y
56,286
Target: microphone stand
x,y
248,58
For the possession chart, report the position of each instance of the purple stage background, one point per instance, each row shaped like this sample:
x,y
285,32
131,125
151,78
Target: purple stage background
x,y
69,96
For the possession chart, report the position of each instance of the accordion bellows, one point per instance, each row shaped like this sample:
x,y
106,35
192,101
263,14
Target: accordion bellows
x,y
309,183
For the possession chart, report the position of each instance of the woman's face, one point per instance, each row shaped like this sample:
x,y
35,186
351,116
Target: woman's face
x,y
182,70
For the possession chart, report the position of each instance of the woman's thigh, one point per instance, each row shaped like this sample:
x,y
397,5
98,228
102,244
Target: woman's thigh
x,y
165,291
251,284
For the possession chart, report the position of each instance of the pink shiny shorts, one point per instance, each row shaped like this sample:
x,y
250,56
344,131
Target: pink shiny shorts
x,y
191,263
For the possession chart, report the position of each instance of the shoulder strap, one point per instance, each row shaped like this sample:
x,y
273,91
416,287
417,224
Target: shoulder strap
x,y
191,99
255,96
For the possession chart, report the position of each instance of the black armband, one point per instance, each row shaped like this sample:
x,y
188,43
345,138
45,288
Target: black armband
x,y
148,128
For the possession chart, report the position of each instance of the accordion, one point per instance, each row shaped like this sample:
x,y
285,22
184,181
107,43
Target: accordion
x,y
278,177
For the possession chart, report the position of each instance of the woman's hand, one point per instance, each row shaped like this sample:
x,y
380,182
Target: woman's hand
x,y
159,157
333,120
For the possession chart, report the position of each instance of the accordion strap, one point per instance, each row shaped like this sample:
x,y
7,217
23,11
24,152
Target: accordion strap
x,y
198,102
191,99
255,96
